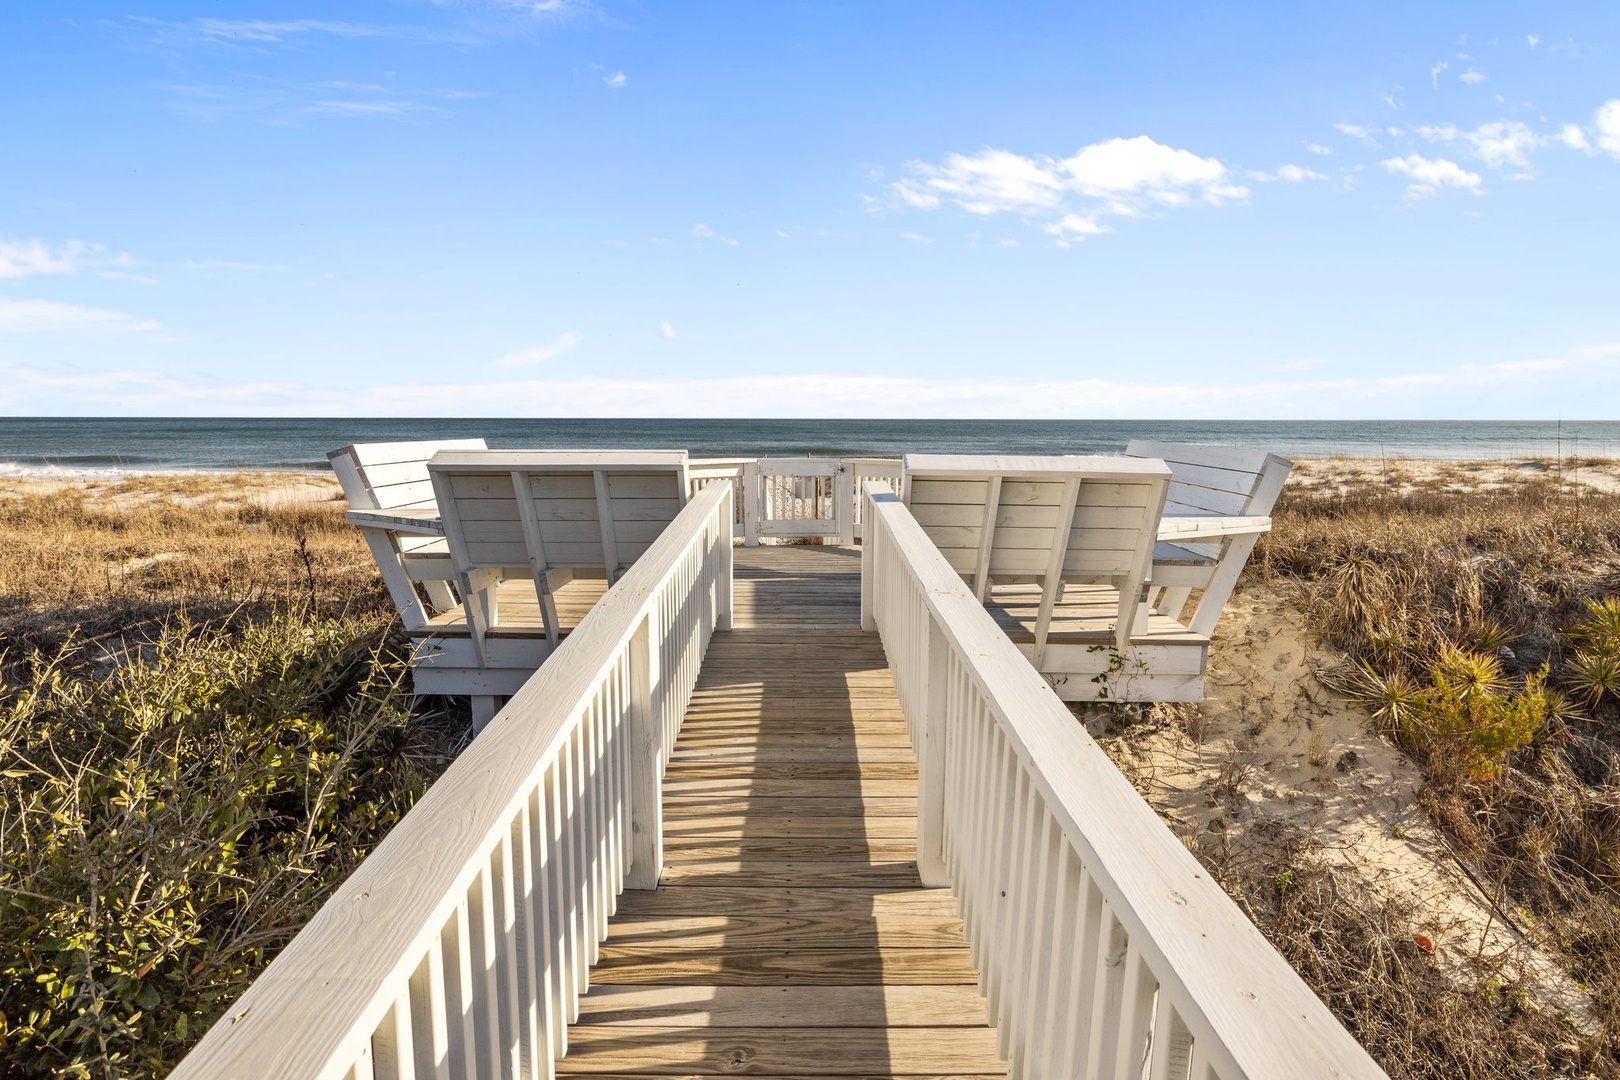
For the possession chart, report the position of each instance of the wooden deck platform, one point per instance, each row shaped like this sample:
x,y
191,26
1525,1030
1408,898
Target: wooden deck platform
x,y
790,936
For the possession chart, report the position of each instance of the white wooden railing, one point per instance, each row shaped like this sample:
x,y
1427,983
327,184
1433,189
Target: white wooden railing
x,y
701,472
1104,949
460,947
796,497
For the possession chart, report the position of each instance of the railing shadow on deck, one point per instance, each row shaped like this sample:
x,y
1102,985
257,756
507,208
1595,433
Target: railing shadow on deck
x,y
1104,948
460,946
769,873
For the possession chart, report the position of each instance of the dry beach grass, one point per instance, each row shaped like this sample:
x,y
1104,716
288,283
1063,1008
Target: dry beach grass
x,y
1401,772
203,728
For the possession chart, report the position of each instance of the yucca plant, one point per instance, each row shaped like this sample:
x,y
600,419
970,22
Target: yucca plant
x,y
1602,625
1595,676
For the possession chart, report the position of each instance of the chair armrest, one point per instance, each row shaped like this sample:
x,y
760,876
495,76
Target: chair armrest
x,y
1184,529
414,522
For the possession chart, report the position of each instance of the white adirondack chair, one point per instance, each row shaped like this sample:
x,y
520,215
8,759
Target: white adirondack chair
x,y
1219,504
391,502
1022,530
535,537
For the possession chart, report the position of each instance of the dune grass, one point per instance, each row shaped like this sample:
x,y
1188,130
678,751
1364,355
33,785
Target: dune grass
x,y
203,728
1477,620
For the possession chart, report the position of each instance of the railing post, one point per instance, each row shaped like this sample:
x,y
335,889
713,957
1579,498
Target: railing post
x,y
931,762
646,778
751,497
723,587
868,568
844,498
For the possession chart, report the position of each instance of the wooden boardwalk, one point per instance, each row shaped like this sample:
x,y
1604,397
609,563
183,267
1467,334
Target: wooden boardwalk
x,y
790,936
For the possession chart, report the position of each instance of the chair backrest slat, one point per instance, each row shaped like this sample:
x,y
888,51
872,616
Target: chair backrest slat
x,y
1212,480
394,476
1049,519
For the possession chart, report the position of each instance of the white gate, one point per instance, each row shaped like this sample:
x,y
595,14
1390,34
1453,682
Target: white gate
x,y
800,497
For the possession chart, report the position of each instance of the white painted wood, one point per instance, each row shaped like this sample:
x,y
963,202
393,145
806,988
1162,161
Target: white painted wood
x,y
931,792
391,502
434,915
646,819
1231,492
1062,536
1152,964
543,515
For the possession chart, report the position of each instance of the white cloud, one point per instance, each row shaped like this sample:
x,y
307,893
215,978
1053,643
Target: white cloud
x,y
1500,144
616,80
1472,77
667,330
1523,388
703,232
539,354
1319,149
266,31
20,258
39,316
1006,243
1533,39
1572,136
23,258
1430,176
1292,174
917,238
1356,131
1128,177
1608,127
1434,72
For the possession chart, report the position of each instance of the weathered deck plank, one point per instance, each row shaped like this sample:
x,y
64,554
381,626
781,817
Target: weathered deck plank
x,y
790,935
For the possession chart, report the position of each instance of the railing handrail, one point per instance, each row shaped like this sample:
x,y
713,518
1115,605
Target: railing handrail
x,y
1248,1012
312,1012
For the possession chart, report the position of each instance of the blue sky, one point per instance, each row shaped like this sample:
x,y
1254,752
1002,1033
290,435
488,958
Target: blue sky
x,y
810,209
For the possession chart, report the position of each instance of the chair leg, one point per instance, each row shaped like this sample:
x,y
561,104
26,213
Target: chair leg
x,y
484,708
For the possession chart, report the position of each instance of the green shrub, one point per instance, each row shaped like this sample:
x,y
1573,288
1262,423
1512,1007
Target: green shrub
x,y
166,827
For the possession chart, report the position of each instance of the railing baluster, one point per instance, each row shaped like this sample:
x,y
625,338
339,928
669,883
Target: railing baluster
x,y
430,1015
461,1019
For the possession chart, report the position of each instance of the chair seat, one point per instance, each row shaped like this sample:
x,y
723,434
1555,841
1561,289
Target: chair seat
x,y
520,610
1085,616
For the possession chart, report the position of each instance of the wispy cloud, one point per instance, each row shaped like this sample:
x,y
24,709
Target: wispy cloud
x,y
1430,176
1291,174
667,330
1537,386
1504,144
1356,131
617,80
25,258
1434,72
1121,177
44,316
1472,77
21,258
704,232
917,238
237,31
539,354
282,101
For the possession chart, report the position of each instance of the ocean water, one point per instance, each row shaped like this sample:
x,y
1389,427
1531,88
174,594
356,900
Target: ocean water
x,y
34,445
